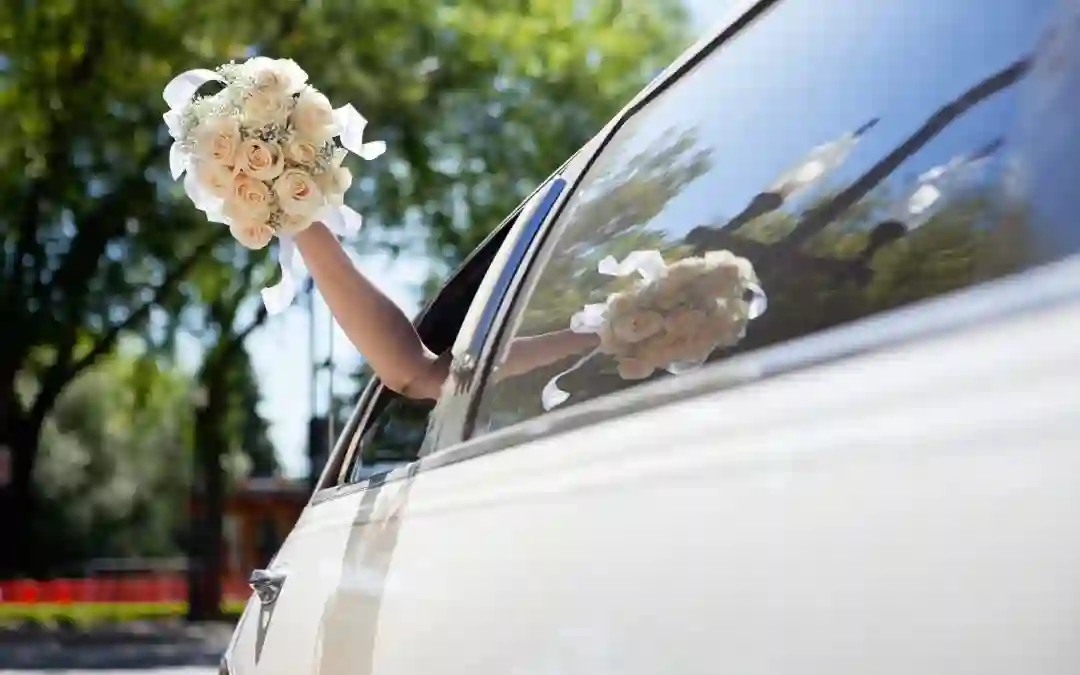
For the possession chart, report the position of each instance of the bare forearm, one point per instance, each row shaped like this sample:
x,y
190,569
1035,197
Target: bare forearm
x,y
374,324
528,353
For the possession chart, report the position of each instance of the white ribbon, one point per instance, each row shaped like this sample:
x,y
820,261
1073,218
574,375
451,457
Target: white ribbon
x,y
181,89
649,264
178,161
342,221
350,128
178,94
551,396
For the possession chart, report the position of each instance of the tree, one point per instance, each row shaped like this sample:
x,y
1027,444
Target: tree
x,y
477,99
221,286
115,465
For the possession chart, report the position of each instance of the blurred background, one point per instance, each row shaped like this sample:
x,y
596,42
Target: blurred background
x,y
158,433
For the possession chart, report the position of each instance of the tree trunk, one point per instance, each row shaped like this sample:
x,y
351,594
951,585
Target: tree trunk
x,y
18,555
204,582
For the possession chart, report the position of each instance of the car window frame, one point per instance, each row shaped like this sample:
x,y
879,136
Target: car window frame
x,y
333,481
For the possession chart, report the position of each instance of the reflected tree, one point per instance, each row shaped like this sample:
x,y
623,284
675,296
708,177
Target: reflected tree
x,y
612,216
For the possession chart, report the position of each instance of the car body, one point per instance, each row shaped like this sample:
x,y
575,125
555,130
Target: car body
x,y
881,477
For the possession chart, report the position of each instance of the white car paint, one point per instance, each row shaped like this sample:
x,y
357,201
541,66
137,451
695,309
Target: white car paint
x,y
908,511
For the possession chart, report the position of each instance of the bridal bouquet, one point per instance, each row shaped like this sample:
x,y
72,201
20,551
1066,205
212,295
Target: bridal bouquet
x,y
673,317
264,155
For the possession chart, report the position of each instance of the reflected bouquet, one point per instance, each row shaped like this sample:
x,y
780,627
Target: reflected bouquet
x,y
264,155
673,317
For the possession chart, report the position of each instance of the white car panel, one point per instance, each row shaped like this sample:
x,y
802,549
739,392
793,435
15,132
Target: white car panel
x,y
901,512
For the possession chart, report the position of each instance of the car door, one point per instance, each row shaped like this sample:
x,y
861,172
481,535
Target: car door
x,y
280,633
879,478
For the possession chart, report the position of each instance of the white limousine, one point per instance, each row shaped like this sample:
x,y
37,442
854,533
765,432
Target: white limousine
x,y
870,467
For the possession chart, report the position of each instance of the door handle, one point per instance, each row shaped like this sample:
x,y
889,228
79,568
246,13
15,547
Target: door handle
x,y
266,584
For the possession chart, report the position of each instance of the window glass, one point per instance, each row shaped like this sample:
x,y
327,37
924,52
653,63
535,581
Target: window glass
x,y
393,438
859,156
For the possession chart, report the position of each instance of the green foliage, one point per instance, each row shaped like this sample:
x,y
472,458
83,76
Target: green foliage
x,y
115,468
478,100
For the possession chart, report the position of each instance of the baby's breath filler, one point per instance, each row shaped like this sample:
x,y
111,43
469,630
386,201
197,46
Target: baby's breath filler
x,y
263,155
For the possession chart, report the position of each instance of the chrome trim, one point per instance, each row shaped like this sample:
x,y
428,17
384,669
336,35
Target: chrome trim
x,y
267,585
520,246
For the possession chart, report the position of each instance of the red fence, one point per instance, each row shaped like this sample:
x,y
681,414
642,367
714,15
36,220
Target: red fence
x,y
143,588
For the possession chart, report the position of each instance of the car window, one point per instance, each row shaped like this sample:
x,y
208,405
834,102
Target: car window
x,y
832,161
392,438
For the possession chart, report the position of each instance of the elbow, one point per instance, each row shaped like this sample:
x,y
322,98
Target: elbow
x,y
405,388
416,390
426,383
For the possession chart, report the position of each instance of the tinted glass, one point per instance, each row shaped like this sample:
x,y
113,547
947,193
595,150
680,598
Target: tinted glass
x,y
860,155
393,439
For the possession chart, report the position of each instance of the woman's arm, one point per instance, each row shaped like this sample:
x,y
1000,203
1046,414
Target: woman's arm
x,y
529,353
374,324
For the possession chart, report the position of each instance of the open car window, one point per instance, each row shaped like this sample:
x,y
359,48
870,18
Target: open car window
x,y
391,429
392,437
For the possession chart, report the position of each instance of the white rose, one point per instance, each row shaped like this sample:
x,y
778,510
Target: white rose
x,y
687,322
300,151
215,177
276,75
671,348
609,344
251,234
250,201
262,160
727,325
631,368
334,183
297,193
217,139
291,224
672,293
724,279
620,303
728,271
313,117
686,269
263,107
636,326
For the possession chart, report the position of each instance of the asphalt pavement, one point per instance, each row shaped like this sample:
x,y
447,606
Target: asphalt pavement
x,y
164,648
153,671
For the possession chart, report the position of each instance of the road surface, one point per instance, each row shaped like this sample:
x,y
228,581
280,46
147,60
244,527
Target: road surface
x,y
153,671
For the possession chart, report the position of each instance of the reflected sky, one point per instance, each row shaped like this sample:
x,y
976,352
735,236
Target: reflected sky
x,y
789,84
